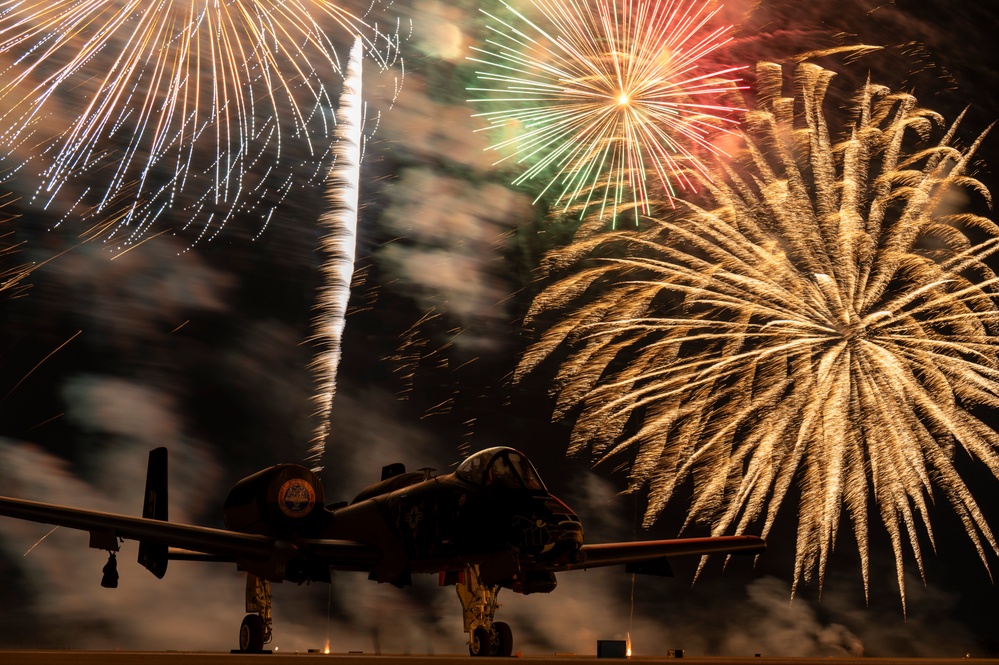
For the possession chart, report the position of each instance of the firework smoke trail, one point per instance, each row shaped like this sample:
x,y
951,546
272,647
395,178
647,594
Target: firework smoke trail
x,y
338,245
602,101
186,105
825,316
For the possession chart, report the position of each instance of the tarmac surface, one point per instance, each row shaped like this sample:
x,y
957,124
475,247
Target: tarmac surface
x,y
39,657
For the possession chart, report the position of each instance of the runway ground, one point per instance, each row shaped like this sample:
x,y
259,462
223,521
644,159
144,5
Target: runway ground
x,y
40,657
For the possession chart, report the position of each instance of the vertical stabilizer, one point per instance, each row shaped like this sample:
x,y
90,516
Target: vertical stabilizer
x,y
154,555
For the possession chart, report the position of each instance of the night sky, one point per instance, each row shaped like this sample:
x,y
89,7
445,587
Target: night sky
x,y
203,346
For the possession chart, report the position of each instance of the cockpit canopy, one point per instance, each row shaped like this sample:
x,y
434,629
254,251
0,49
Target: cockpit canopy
x,y
500,467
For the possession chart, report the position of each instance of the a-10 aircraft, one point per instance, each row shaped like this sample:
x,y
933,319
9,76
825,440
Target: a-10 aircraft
x,y
490,524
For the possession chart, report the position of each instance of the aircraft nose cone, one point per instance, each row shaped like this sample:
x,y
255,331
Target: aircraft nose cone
x,y
547,533
572,541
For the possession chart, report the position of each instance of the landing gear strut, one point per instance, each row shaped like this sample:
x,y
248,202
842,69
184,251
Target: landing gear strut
x,y
255,631
479,605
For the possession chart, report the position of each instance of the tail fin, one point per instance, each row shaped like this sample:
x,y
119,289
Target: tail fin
x,y
154,555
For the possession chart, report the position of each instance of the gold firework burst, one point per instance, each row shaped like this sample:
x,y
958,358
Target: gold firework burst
x,y
827,319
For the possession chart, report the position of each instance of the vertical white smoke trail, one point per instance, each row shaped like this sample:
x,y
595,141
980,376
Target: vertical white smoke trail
x,y
339,222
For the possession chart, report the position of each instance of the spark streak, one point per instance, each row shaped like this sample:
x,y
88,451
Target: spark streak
x,y
338,245
828,321
11,277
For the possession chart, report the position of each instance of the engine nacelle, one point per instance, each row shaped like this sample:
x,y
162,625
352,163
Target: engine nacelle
x,y
280,501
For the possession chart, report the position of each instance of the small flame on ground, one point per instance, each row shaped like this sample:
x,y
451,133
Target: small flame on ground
x,y
326,649
627,645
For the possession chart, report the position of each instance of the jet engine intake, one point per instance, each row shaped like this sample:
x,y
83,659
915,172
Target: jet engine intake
x,y
280,501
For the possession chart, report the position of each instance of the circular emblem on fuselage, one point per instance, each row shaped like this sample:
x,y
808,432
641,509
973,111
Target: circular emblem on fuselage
x,y
296,498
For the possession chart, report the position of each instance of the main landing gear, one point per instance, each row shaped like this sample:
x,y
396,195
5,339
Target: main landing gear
x,y
479,605
255,631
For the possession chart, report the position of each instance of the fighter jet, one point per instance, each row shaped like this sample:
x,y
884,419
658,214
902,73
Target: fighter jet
x,y
489,525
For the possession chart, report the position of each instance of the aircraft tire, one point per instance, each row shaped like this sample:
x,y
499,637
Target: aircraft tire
x,y
502,639
480,644
251,633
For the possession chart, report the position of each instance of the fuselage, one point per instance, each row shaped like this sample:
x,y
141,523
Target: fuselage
x,y
492,511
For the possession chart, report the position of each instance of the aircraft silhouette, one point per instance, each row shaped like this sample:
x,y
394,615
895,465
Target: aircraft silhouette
x,y
490,524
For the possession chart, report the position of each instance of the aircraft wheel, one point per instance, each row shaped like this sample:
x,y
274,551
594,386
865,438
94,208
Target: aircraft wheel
x,y
251,633
480,644
503,639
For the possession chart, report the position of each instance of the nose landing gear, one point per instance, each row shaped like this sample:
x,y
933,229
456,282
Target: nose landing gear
x,y
497,640
479,605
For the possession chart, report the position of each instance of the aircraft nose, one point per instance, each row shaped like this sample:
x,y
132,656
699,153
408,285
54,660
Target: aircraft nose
x,y
566,543
550,529
567,531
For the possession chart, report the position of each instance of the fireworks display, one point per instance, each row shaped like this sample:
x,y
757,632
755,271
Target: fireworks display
x,y
827,321
182,105
605,100
776,316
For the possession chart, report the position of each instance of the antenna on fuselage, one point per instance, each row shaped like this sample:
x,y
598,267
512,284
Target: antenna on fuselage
x,y
393,470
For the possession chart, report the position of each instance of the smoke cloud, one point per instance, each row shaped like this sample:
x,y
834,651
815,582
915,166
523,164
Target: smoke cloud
x,y
449,258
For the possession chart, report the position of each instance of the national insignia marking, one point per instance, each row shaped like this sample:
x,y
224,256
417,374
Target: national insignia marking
x,y
413,517
296,498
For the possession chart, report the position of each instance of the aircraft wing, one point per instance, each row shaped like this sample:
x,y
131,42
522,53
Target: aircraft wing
x,y
653,551
192,541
